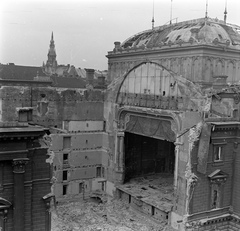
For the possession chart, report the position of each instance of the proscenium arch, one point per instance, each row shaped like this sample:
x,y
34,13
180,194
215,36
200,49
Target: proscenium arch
x,y
126,116
151,82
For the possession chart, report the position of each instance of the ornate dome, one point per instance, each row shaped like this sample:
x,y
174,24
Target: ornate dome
x,y
199,31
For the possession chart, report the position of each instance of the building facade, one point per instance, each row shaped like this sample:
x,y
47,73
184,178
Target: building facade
x,y
25,178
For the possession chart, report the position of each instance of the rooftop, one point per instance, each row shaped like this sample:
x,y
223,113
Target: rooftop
x,y
198,31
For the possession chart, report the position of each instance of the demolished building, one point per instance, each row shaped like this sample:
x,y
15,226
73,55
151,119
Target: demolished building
x,y
164,134
172,110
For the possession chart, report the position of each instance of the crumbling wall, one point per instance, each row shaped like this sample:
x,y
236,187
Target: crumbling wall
x,y
52,105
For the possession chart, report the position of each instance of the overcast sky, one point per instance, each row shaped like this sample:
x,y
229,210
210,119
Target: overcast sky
x,y
85,30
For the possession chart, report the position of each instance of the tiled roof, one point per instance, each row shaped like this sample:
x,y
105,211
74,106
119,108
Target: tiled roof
x,y
12,71
68,82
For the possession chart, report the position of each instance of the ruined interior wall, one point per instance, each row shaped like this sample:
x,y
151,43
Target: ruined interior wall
x,y
79,112
84,157
189,119
51,105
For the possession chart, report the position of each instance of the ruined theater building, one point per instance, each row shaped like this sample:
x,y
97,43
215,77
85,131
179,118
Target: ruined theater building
x,y
161,132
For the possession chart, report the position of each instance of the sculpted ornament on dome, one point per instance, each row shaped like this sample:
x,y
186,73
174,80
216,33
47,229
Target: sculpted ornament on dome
x,y
170,43
191,40
180,42
215,41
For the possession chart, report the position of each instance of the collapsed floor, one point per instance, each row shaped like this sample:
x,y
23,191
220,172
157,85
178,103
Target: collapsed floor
x,y
153,190
105,215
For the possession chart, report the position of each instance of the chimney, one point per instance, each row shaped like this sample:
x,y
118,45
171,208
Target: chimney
x,y
219,81
89,75
101,81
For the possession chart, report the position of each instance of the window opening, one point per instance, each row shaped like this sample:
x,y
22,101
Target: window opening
x,y
65,158
64,175
153,210
64,189
98,172
215,199
217,153
81,187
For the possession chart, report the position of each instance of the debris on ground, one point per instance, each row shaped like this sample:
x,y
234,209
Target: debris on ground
x,y
101,215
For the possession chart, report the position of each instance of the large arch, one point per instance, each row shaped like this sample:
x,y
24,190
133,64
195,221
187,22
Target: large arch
x,y
144,83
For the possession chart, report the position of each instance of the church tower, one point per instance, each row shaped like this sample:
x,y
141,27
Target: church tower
x,y
51,64
52,54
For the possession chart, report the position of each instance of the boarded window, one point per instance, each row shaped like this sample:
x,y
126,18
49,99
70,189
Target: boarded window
x,y
66,142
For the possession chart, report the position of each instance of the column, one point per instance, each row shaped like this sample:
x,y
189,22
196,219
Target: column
x,y
121,163
18,206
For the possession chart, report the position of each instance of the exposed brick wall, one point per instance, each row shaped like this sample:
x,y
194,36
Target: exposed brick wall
x,y
51,106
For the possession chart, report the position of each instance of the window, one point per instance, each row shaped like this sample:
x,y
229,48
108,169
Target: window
x,y
98,174
65,158
103,172
215,197
66,142
64,189
81,187
217,181
24,115
217,153
103,186
65,173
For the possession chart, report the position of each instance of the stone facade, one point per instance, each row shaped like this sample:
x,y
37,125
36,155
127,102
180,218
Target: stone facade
x,y
25,178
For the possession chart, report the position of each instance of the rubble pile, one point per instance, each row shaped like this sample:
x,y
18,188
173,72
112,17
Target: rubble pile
x,y
93,215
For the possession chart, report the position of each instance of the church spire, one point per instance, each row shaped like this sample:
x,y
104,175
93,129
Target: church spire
x,y
52,53
52,37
